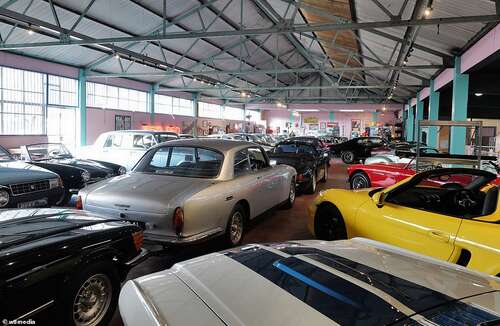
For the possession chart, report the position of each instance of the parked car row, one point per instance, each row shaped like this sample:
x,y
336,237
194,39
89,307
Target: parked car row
x,y
185,191
47,174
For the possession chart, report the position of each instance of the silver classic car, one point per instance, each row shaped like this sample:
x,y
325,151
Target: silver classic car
x,y
192,189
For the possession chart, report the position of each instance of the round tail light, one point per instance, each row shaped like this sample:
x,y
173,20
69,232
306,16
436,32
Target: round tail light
x,y
178,220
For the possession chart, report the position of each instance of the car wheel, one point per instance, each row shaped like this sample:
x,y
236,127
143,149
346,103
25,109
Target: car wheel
x,y
360,180
92,296
325,174
291,195
235,226
329,224
311,189
65,198
347,157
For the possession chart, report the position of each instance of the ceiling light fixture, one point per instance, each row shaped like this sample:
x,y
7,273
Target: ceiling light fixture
x,y
428,9
478,94
30,31
117,56
384,108
351,110
307,110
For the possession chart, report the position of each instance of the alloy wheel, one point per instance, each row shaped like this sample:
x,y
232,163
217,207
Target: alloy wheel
x,y
359,182
92,301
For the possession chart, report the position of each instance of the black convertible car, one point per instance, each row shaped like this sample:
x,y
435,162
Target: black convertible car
x,y
311,162
24,185
356,149
75,173
64,267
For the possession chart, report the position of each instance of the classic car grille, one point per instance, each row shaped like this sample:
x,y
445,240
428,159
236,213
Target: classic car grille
x,y
24,188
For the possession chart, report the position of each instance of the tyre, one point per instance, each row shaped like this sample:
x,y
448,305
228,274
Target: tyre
x,y
92,296
291,196
329,224
65,198
325,174
311,188
235,226
360,180
348,157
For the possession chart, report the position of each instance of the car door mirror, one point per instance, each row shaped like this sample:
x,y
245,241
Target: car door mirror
x,y
379,198
273,163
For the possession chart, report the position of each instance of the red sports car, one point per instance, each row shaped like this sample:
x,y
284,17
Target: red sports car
x,y
382,174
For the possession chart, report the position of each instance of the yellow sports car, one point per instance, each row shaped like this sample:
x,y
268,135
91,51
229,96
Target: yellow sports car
x,y
449,214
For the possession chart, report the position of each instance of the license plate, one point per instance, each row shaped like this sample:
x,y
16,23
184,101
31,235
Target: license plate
x,y
34,203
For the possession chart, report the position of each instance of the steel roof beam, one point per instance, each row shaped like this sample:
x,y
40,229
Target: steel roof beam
x,y
265,71
263,87
301,28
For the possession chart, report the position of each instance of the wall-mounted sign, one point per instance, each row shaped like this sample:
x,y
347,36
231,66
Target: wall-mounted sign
x,y
123,122
311,120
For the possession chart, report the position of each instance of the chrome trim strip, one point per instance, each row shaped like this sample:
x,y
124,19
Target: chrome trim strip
x,y
96,244
34,311
36,269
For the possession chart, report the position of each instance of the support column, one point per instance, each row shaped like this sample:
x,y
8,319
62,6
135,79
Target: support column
x,y
410,123
459,108
419,116
151,104
82,104
433,137
196,114
375,117
245,127
331,116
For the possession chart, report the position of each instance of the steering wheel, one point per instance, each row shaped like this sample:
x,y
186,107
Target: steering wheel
x,y
465,199
495,165
54,153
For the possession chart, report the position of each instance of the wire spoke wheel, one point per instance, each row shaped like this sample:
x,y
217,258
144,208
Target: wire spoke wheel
x,y
236,226
92,300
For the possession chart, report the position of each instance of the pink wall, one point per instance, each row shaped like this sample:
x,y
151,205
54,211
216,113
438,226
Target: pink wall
x,y
13,142
23,62
277,118
100,120
443,78
486,46
328,106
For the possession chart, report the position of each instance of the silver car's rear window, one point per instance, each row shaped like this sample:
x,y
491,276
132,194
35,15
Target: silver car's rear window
x,y
183,161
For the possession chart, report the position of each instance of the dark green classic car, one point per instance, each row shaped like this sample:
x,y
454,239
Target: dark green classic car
x,y
24,185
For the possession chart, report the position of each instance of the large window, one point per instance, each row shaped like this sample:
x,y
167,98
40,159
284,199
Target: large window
x,y
231,113
173,105
209,110
110,97
63,91
21,105
254,115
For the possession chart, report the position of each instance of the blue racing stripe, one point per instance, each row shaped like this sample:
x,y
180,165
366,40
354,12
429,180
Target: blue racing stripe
x,y
429,303
338,299
315,284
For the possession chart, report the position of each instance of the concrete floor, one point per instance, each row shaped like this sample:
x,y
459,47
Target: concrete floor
x,y
274,226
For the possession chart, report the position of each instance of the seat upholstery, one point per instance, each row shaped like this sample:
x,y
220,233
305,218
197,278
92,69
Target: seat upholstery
x,y
490,201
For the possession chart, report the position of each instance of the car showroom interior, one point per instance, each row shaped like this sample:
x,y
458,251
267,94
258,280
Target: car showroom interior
x,y
249,162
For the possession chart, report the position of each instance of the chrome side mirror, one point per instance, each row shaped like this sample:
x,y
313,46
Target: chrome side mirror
x,y
273,162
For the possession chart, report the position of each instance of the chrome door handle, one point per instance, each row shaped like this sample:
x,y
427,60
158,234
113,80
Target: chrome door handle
x,y
439,235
